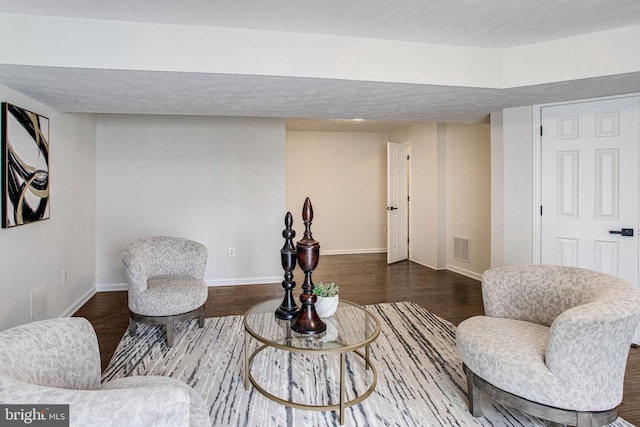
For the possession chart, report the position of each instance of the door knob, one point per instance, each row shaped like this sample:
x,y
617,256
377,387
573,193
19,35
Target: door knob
x,y
391,208
623,232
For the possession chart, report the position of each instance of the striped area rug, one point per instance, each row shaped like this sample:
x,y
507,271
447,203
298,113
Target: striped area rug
x,y
420,379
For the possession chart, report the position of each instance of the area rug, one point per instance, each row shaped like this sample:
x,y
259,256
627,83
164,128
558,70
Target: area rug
x,y
420,379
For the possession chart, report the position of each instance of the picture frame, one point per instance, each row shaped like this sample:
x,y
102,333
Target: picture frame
x,y
25,166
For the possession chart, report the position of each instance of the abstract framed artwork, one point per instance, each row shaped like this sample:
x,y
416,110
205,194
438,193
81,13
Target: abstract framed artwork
x,y
25,166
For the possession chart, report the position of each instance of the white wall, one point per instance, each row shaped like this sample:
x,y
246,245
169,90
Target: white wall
x,y
512,138
38,253
344,175
423,215
516,228
450,194
443,193
219,181
497,190
469,195
109,44
588,55
222,181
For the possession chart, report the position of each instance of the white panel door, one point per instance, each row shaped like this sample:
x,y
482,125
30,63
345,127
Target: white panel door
x,y
589,186
397,202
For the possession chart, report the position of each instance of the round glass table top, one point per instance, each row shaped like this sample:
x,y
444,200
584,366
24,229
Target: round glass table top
x,y
351,327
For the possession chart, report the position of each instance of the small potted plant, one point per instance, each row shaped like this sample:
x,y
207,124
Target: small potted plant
x,y
327,298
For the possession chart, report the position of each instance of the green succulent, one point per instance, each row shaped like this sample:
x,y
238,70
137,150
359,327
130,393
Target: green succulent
x,y
330,289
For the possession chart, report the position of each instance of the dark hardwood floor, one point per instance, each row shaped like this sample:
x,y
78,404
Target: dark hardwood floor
x,y
364,279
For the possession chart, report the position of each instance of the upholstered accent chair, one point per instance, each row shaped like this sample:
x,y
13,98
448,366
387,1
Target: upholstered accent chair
x,y
553,342
165,277
57,361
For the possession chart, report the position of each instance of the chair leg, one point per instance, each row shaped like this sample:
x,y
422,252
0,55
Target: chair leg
x,y
201,319
585,419
474,395
170,331
133,326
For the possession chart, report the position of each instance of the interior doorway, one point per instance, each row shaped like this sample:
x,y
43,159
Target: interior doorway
x,y
589,188
397,201
589,193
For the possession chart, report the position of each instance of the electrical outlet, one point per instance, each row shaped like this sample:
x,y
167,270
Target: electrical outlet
x,y
232,251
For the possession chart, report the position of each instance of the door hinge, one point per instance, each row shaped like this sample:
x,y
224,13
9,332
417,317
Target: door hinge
x,y
408,156
540,210
540,130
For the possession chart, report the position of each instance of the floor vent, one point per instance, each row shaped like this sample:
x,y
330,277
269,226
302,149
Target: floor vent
x,y
461,249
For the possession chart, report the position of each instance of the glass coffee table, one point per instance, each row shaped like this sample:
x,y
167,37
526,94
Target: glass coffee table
x,y
350,330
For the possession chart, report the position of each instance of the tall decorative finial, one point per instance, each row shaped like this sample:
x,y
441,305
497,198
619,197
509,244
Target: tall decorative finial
x,y
308,254
307,217
288,309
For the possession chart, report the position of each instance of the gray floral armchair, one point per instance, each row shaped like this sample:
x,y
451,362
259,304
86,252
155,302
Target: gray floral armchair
x,y
165,277
57,361
554,342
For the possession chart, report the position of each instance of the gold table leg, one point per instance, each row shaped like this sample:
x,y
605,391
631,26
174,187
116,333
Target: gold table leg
x,y
367,364
343,357
246,360
338,407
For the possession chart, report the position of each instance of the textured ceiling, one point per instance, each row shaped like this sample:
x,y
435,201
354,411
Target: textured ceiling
x,y
393,104
317,103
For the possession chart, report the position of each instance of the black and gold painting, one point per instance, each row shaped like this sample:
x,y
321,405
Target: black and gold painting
x,y
25,166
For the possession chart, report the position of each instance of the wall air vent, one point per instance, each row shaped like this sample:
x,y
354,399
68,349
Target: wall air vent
x,y
461,249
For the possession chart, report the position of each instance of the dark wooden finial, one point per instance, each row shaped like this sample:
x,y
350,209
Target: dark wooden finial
x,y
308,254
288,309
307,211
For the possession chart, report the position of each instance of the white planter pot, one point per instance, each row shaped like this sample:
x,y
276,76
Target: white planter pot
x,y
327,306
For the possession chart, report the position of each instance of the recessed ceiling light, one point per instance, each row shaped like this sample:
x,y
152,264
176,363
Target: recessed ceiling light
x,y
358,120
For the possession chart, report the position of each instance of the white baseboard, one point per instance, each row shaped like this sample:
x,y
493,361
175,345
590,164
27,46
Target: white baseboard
x,y
464,272
111,287
246,281
79,303
353,251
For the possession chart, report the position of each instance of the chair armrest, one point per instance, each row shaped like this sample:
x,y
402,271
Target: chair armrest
x,y
61,352
135,270
135,407
501,292
588,348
